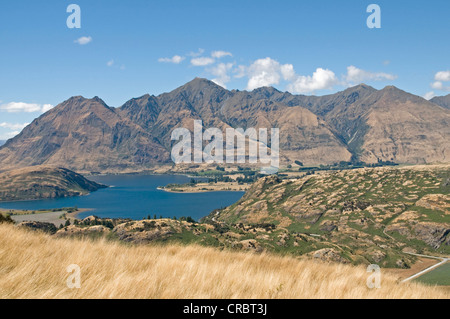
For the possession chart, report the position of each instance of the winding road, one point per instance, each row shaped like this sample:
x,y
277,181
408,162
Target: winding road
x,y
442,259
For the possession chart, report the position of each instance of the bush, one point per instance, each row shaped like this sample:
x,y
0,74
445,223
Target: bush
x,y
188,219
6,219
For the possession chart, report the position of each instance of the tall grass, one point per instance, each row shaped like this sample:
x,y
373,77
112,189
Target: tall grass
x,y
34,265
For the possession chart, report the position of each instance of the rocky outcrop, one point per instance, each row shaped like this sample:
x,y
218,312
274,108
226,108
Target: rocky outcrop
x,y
328,255
89,231
433,234
144,231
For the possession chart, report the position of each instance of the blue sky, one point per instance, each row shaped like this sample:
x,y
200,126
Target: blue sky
x,y
142,46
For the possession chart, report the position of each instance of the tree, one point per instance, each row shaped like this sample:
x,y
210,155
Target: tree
x,y
6,219
299,163
67,223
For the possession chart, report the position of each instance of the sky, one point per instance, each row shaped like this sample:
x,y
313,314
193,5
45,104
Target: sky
x,y
125,49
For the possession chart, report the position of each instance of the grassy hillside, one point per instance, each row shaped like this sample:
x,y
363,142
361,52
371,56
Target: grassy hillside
x,y
369,215
36,268
39,182
363,216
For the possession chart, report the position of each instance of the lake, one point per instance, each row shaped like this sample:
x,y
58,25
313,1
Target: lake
x,y
136,197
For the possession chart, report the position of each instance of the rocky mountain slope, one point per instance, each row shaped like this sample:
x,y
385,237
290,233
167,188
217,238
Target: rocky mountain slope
x,y
443,101
387,125
374,214
360,123
40,182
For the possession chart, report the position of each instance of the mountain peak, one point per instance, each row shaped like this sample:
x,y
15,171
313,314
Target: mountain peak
x,y
80,99
201,83
361,86
196,88
76,98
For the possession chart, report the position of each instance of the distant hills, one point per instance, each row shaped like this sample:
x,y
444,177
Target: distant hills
x,y
360,123
2,142
42,182
443,101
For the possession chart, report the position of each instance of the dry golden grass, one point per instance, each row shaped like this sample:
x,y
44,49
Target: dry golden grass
x,y
34,265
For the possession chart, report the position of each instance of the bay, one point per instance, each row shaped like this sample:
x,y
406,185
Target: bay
x,y
136,197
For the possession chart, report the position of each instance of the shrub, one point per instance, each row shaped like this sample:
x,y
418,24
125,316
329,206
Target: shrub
x,y
6,219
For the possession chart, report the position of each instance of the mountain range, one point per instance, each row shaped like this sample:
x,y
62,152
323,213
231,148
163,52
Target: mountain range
x,y
359,123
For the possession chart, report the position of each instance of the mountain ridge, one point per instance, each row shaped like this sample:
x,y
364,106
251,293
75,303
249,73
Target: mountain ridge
x,y
360,123
443,101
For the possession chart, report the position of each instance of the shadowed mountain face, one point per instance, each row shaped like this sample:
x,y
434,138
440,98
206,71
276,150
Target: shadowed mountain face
x,y
443,101
360,122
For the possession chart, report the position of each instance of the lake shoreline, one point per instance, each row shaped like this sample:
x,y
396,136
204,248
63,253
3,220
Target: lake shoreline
x,y
135,197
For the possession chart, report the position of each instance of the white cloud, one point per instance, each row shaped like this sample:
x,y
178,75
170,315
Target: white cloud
x,y
16,107
220,71
429,95
240,71
287,71
110,62
202,61
176,59
8,135
356,76
438,85
14,129
270,72
13,126
220,54
196,54
320,80
267,72
443,76
47,107
440,77
83,40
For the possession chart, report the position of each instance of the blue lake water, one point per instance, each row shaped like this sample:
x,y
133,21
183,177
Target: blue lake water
x,y
136,197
